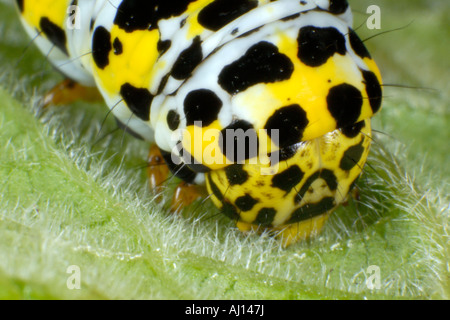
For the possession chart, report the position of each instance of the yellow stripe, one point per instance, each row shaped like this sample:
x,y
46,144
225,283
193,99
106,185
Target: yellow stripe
x,y
54,10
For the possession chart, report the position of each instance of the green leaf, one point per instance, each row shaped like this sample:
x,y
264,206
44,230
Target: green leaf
x,y
73,196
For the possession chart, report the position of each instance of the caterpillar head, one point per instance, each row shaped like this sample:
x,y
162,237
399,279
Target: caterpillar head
x,y
278,119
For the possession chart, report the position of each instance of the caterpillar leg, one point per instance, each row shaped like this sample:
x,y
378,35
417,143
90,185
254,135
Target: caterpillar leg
x,y
69,91
157,170
185,193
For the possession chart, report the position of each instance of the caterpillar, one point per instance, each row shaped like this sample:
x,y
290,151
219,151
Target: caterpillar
x,y
266,103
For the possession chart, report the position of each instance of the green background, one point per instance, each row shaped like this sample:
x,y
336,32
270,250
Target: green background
x,y
73,192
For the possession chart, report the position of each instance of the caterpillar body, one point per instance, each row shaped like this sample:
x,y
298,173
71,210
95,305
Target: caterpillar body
x,y
266,102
